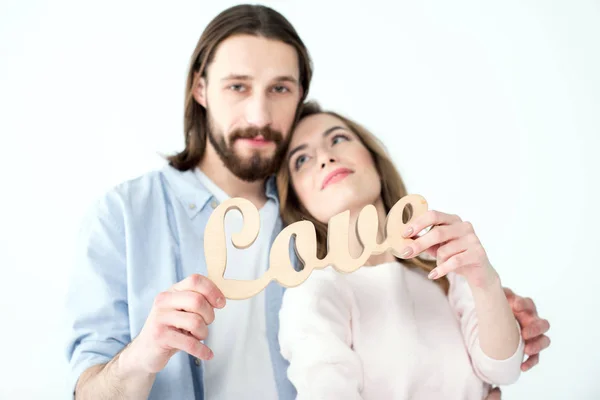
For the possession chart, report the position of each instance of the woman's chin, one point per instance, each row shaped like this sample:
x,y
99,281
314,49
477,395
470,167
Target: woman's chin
x,y
334,209
343,198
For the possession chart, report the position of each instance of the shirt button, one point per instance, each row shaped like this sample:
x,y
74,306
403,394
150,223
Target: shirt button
x,y
214,204
192,206
197,361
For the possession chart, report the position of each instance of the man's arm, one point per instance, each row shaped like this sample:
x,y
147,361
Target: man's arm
x,y
178,321
112,380
97,306
533,328
105,362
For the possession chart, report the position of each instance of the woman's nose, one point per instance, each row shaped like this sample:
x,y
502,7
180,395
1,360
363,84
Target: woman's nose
x,y
324,163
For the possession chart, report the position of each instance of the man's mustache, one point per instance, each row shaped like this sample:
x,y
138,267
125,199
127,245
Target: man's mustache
x,y
250,133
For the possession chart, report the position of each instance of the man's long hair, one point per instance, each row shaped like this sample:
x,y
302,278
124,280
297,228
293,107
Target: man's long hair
x,y
247,19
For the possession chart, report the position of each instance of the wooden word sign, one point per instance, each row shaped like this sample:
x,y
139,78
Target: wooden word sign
x,y
281,268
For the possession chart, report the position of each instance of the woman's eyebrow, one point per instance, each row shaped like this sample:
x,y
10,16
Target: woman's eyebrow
x,y
303,146
333,128
296,149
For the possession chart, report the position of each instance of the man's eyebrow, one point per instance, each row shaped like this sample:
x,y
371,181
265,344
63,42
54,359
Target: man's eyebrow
x,y
237,77
303,146
242,77
287,78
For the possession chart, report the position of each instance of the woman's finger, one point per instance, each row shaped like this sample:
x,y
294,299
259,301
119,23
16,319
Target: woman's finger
x,y
452,248
455,262
429,218
437,236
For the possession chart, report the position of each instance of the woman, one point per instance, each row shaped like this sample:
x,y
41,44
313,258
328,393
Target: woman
x,y
406,328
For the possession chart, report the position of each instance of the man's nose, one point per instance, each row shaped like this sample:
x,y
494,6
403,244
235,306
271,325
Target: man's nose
x,y
258,111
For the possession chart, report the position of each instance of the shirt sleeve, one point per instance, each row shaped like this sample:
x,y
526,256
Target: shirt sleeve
x,y
96,302
316,338
492,371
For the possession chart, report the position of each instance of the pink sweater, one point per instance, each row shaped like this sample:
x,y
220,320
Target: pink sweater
x,y
387,332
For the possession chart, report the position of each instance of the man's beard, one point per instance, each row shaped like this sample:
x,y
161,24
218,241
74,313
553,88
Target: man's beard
x,y
256,167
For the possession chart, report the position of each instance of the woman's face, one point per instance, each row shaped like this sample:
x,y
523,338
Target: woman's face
x,y
331,171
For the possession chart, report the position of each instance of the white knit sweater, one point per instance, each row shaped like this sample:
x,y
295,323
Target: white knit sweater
x,y
387,332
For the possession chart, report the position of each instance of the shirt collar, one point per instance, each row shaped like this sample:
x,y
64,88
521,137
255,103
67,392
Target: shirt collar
x,y
271,189
194,196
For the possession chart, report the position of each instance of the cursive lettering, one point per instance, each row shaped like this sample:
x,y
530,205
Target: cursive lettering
x,y
280,268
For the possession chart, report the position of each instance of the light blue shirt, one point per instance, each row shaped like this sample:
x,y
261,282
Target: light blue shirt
x,y
139,239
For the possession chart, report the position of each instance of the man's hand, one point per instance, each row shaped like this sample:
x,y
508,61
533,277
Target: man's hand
x,y
178,320
533,328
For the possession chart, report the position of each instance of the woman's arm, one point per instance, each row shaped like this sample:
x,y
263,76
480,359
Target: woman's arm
x,y
489,329
499,334
315,336
489,325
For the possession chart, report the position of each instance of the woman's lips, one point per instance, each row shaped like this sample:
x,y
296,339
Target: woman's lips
x,y
336,176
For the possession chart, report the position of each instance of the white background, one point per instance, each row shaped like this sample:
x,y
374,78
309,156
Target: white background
x,y
491,111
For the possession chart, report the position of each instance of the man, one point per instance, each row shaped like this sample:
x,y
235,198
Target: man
x,y
141,306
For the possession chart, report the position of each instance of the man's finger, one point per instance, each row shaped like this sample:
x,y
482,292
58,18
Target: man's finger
x,y
187,322
530,363
181,341
495,394
536,345
535,328
525,304
190,301
525,319
508,292
511,297
204,286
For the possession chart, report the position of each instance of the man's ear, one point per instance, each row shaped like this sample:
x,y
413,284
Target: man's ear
x,y
199,92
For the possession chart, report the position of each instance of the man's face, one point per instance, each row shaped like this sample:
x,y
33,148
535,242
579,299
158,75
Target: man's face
x,y
251,94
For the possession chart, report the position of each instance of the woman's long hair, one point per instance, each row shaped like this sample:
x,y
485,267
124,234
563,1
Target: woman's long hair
x,y
392,189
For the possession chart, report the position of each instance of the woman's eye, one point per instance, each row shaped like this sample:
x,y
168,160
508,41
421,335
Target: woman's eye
x,y
339,138
299,161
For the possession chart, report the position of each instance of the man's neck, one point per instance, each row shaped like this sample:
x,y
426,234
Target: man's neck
x,y
212,166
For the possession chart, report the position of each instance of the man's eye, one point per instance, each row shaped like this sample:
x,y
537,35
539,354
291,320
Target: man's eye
x,y
237,87
281,89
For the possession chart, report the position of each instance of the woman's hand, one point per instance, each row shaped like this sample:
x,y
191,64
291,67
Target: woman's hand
x,y
454,244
